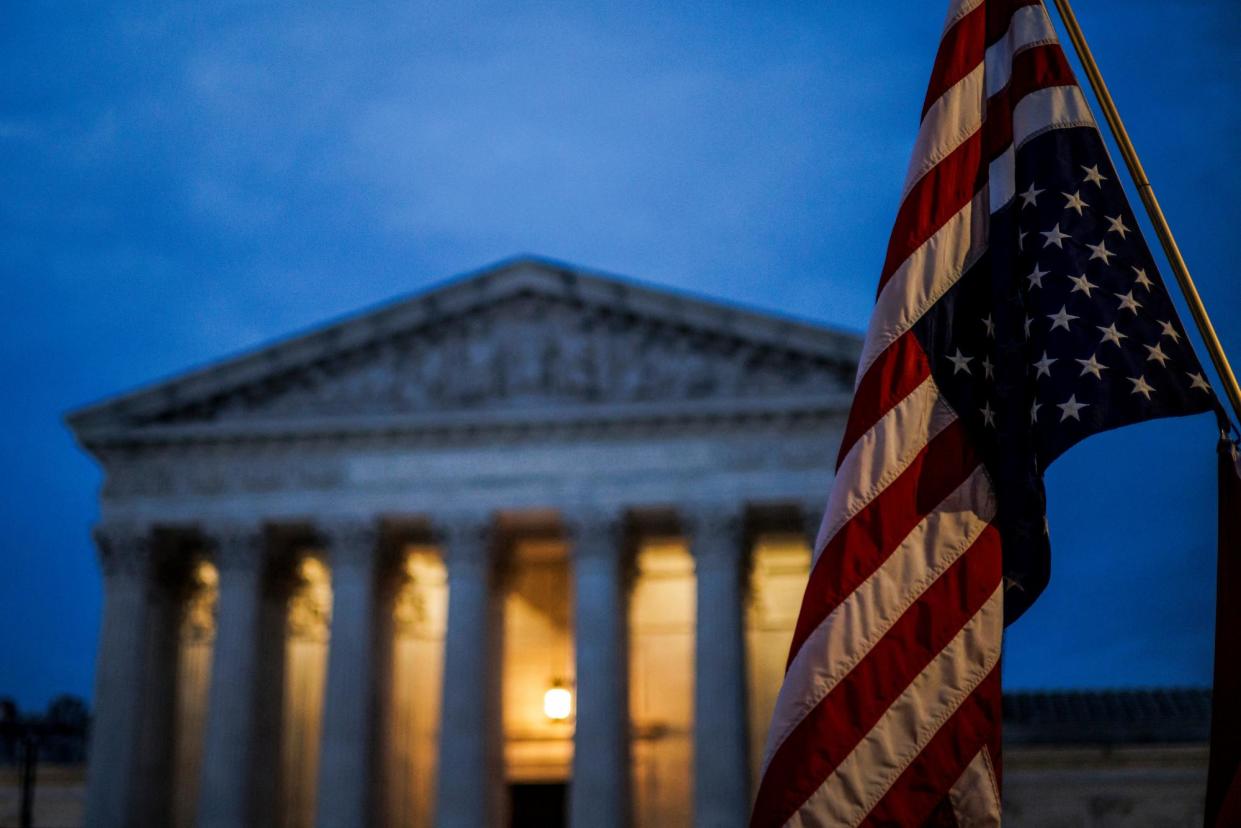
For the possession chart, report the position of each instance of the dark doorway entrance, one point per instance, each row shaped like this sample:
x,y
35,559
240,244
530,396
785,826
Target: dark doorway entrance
x,y
537,804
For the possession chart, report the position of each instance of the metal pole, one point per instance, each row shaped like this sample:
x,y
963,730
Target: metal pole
x,y
1179,268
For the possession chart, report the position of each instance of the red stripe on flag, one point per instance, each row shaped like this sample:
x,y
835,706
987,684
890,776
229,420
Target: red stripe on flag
x,y
960,51
921,788
894,374
936,197
1040,67
830,732
1000,15
865,542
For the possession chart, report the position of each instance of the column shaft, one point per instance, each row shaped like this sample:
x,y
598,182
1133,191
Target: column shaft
x,y
111,795
470,770
228,769
345,760
721,771
599,790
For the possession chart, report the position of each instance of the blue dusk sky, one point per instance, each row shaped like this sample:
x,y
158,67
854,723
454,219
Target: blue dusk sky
x,y
185,180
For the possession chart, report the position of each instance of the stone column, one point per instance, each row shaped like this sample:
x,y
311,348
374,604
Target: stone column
x,y
345,759
111,795
599,790
470,773
228,767
721,763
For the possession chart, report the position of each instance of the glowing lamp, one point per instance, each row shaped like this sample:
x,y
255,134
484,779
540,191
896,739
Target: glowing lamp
x,y
557,702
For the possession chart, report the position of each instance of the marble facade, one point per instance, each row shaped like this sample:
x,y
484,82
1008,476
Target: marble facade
x,y
341,570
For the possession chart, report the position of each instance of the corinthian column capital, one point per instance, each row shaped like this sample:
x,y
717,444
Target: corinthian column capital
x,y
351,541
717,534
595,533
236,545
467,541
124,548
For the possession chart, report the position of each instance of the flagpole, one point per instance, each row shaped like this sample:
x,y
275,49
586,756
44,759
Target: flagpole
x,y
1153,211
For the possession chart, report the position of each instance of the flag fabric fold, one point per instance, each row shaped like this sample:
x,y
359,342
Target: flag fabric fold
x,y
1223,802
1019,311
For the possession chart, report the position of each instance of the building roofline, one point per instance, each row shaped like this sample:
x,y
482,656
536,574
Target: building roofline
x,y
456,295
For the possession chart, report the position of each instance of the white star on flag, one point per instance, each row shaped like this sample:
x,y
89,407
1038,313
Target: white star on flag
x,y
1100,251
1071,408
1140,386
1043,366
1169,331
1030,197
1117,225
1083,284
1110,334
1092,366
1127,302
1094,176
1054,236
960,362
1061,319
1156,353
1198,381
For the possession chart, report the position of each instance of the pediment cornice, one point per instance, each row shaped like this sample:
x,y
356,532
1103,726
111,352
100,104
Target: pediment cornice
x,y
526,340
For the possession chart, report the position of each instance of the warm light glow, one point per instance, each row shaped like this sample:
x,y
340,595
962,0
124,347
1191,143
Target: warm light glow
x,y
557,703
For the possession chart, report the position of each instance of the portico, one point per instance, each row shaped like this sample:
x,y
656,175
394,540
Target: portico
x,y
341,572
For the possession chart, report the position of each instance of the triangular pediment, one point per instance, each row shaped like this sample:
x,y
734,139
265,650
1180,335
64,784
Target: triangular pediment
x,y
527,335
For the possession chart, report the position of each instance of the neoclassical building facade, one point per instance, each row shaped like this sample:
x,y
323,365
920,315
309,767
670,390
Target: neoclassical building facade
x,y
342,572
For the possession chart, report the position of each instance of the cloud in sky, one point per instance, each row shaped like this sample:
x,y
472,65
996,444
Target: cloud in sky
x,y
184,180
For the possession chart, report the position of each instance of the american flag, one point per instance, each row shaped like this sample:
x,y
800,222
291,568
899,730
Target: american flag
x,y
1019,311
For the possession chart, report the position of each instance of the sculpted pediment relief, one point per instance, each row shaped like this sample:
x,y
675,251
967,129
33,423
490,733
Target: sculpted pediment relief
x,y
527,351
548,342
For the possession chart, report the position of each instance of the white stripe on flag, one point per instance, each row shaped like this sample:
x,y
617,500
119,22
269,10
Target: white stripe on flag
x,y
948,123
1030,27
975,796
1058,107
924,277
881,454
